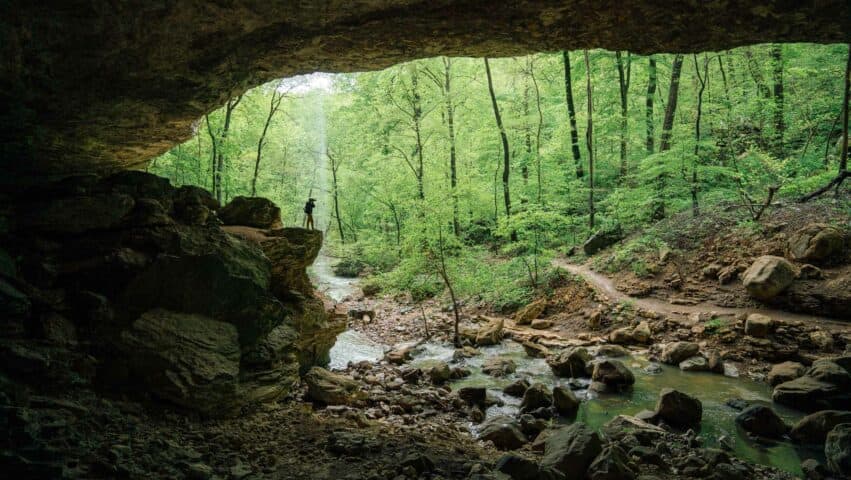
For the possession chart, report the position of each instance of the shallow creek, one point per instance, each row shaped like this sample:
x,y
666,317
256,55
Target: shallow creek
x,y
596,409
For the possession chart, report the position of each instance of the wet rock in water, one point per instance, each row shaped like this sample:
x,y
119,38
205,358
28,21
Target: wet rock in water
x,y
516,388
439,373
330,388
694,364
612,351
564,401
621,336
464,352
758,325
653,369
504,432
813,428
768,276
611,376
679,409
822,340
400,354
642,333
810,395
490,333
676,352
254,212
459,372
530,312
190,360
611,464
571,362
531,426
825,370
737,404
517,467
815,242
761,421
813,470
498,366
536,396
784,372
623,425
602,239
476,396
837,450
571,450
535,350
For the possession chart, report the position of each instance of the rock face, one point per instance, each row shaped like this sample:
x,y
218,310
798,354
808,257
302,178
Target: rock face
x,y
768,276
165,299
815,242
52,59
330,388
251,212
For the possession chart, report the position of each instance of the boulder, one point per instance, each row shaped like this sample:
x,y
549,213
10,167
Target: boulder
x,y
813,428
571,362
188,359
490,333
517,467
784,372
837,450
330,388
825,370
815,242
254,212
535,350
642,333
761,421
516,388
571,450
621,336
676,352
612,351
291,251
77,214
768,276
622,426
540,324
809,395
498,366
611,464
694,364
611,376
679,409
536,396
504,432
564,401
439,373
474,396
270,368
758,325
530,312
821,340
602,239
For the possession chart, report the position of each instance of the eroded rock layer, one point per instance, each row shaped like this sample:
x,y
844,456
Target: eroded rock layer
x,y
103,85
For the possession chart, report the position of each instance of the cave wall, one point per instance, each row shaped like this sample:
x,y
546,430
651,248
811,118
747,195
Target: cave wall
x,y
98,85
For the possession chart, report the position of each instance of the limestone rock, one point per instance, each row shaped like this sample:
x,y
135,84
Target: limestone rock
x,y
676,352
251,212
762,422
611,464
536,396
623,425
564,401
810,395
330,388
504,432
815,242
571,450
602,239
813,428
768,276
541,324
571,362
516,388
784,372
188,359
694,364
439,373
498,366
837,450
612,375
642,333
530,312
825,370
679,409
78,214
758,325
621,336
517,467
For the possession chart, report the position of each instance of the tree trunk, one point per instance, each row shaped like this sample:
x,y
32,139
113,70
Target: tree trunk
x,y
506,158
671,107
843,159
538,130
651,92
779,121
571,114
416,105
623,83
213,155
220,163
589,141
702,80
450,124
273,108
335,194
527,137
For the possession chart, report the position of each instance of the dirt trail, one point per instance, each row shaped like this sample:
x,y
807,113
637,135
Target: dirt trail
x,y
604,285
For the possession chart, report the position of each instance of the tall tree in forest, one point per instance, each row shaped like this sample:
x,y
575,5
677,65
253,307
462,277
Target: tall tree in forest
x,y
589,141
213,152
506,156
702,79
530,72
221,144
274,105
571,114
623,83
335,192
779,121
648,102
671,107
413,110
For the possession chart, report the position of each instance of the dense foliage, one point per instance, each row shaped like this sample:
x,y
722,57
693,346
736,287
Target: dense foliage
x,y
408,163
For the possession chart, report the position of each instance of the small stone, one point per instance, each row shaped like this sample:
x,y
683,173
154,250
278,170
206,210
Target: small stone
x,y
758,325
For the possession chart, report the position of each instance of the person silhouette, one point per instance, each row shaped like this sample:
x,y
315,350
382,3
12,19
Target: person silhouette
x,y
308,213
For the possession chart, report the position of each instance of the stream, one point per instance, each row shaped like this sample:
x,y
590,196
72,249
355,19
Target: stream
x,y
712,389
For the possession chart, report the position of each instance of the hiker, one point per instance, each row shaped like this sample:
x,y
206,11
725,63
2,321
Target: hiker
x,y
308,213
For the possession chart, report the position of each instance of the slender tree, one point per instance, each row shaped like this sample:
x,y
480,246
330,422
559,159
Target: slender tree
x,y
589,140
506,156
220,160
571,115
671,107
779,122
623,83
702,81
335,193
651,92
274,105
